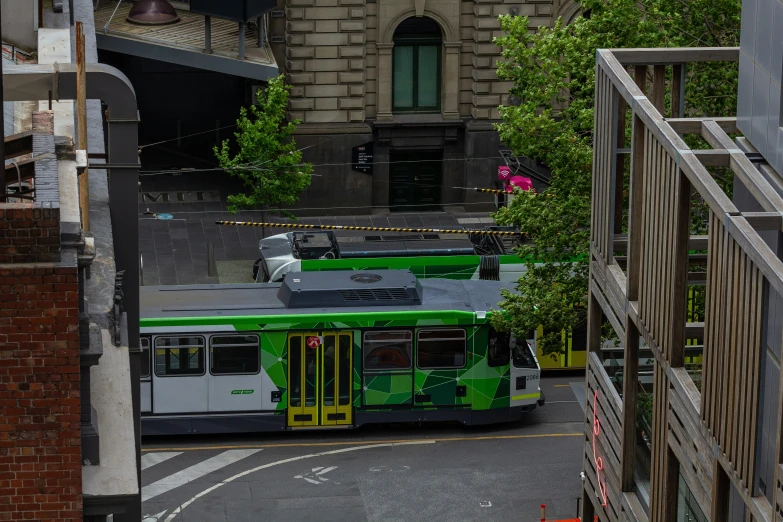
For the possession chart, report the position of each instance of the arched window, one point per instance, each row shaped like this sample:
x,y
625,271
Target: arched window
x,y
417,66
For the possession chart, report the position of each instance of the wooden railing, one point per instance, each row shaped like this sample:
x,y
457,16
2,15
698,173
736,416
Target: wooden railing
x,y
647,296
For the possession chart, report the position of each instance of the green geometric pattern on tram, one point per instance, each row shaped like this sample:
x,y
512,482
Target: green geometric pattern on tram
x,y
441,386
386,389
274,361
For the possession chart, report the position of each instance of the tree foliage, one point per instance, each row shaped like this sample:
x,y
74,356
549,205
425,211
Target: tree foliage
x,y
553,74
267,161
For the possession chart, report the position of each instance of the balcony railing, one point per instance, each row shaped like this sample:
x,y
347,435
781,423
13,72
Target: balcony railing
x,y
646,296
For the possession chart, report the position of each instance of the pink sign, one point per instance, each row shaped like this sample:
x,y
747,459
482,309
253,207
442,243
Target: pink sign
x,y
504,173
519,181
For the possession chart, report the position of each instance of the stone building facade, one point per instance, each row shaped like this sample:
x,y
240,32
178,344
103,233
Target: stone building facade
x,y
346,76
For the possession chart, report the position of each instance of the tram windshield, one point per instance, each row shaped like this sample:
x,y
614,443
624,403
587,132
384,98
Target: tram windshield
x,y
522,353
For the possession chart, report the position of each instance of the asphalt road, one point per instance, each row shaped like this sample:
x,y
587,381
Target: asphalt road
x,y
377,473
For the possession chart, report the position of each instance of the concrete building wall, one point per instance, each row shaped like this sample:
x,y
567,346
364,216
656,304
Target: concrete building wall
x,y
761,64
20,23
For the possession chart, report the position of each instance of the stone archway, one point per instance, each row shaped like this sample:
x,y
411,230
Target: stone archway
x,y
569,11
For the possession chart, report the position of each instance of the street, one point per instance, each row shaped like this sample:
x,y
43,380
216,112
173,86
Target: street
x,y
384,472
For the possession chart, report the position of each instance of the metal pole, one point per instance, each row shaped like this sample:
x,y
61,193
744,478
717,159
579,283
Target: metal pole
x,y
208,34
81,117
211,268
70,11
241,40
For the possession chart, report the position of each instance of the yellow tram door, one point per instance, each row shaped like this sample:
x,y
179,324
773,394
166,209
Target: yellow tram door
x,y
320,373
337,379
302,381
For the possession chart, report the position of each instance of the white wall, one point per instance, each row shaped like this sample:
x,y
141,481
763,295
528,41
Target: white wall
x,y
20,23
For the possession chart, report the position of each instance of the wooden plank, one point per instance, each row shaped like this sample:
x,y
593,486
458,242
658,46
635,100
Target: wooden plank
x,y
715,136
619,166
719,511
679,285
757,185
754,377
630,388
694,125
677,89
713,157
672,55
763,220
758,251
695,242
635,221
594,314
18,144
634,507
659,88
752,311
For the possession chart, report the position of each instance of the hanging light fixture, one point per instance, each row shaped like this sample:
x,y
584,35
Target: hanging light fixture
x,y
153,12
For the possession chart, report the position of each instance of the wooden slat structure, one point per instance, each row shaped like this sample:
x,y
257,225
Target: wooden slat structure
x,y
707,435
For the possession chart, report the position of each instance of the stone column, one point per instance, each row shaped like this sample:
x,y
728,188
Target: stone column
x,y
450,93
385,80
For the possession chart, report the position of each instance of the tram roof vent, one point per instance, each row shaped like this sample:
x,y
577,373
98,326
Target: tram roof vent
x,y
345,288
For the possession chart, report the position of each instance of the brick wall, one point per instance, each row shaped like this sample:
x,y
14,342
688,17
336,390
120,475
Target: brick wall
x,y
28,234
40,439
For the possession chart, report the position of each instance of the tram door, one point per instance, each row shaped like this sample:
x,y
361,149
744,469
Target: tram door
x,y
320,379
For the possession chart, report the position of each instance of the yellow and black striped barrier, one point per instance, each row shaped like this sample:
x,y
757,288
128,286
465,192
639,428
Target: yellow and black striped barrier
x,y
371,229
501,191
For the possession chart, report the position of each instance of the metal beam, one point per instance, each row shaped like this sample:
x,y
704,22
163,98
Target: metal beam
x,y
189,58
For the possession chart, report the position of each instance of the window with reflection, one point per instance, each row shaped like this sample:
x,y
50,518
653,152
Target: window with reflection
x,y
417,66
441,348
388,350
234,354
179,356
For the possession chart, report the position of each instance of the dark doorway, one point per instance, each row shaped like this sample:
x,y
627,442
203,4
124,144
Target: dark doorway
x,y
415,181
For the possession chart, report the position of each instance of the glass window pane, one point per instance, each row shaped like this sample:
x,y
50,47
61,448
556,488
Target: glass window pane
x,y
428,76
523,354
145,357
179,356
441,349
329,370
295,370
388,350
344,360
235,354
498,351
403,77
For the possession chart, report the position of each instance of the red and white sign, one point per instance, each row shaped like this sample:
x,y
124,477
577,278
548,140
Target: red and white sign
x,y
599,462
314,341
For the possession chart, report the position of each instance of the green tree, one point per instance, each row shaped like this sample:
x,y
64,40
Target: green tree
x,y
268,162
553,70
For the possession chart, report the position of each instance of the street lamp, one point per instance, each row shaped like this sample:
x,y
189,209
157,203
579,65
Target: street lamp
x,y
152,12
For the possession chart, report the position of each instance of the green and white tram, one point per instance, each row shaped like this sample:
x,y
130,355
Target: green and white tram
x,y
329,350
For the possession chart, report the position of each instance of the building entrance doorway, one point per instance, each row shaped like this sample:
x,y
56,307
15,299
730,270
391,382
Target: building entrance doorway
x,y
415,181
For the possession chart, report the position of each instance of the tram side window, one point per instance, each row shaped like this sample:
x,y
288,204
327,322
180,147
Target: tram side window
x,y
441,349
234,354
145,357
523,355
388,350
498,349
179,356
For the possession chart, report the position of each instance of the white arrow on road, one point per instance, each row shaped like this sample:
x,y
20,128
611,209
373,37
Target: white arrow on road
x,y
153,518
317,474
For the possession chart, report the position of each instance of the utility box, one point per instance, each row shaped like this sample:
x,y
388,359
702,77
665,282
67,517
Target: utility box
x,y
239,10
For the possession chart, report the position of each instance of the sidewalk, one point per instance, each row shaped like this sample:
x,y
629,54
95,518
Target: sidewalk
x,y
174,250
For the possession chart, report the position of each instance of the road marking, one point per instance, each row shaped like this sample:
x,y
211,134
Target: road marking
x,y
285,461
150,459
562,402
153,518
562,385
318,472
371,442
193,472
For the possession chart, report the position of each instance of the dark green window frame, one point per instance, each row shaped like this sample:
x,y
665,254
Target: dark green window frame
x,y
416,44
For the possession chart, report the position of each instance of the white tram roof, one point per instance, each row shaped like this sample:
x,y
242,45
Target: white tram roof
x,y
265,298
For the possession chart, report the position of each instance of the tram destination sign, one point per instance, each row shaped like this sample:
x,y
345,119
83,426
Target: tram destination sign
x,y
362,158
